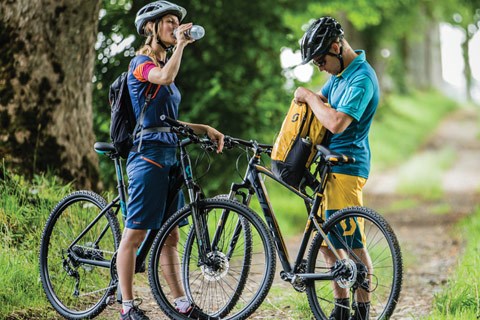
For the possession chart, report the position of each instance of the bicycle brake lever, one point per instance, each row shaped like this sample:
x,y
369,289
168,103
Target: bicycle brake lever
x,y
228,142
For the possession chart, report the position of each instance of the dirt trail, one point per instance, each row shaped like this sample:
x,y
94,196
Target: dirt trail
x,y
429,245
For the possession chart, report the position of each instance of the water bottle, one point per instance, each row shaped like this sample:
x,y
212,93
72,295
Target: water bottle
x,y
195,32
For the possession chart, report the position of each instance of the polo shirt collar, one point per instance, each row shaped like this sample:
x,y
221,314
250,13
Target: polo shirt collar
x,y
360,59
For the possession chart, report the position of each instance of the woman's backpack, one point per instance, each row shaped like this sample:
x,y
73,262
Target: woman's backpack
x,y
294,148
123,125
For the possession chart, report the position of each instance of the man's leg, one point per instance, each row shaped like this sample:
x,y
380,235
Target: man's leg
x,y
344,191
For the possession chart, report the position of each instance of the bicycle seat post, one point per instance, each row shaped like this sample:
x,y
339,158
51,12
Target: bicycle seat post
x,y
120,185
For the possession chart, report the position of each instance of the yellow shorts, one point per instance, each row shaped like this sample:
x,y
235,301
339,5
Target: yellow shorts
x,y
345,191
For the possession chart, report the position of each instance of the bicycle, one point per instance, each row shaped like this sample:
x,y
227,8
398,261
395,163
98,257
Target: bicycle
x,y
77,255
380,284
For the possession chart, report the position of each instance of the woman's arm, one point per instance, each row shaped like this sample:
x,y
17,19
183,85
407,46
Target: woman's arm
x,y
212,133
166,75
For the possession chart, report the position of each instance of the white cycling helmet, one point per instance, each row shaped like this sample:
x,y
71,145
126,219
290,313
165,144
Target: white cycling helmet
x,y
156,10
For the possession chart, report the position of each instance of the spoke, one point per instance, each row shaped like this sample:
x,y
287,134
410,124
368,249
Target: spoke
x,y
96,291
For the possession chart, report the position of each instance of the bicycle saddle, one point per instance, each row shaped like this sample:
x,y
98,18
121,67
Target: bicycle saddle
x,y
103,147
332,156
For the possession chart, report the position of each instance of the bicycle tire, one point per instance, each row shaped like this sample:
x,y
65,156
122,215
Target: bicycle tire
x,y
384,283
243,228
223,288
77,290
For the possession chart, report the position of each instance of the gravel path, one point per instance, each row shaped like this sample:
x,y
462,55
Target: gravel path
x,y
426,232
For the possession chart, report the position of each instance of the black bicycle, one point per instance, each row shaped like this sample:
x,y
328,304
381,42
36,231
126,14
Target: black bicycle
x,y
221,244
364,268
82,234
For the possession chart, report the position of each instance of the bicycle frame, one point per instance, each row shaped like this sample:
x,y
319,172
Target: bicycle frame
x,y
119,203
253,182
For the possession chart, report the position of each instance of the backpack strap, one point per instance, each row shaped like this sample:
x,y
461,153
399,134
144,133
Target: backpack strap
x,y
142,115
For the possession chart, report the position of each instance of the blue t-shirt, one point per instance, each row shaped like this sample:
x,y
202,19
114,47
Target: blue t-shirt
x,y
355,92
164,101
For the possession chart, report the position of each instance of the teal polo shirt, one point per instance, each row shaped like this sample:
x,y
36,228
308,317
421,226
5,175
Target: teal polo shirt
x,y
355,92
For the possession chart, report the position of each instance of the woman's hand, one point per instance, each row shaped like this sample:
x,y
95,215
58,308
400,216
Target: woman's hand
x,y
216,136
213,134
183,40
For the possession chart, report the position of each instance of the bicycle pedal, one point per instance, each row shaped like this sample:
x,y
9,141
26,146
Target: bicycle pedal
x,y
110,300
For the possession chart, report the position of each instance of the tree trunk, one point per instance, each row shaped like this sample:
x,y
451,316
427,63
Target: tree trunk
x,y
46,68
468,70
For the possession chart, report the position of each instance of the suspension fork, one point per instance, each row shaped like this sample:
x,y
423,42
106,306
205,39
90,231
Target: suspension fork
x,y
194,194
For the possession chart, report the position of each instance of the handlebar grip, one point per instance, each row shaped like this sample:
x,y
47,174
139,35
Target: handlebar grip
x,y
170,121
176,124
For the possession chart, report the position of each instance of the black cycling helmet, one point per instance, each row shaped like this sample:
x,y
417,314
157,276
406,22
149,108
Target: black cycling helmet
x,y
154,11
319,37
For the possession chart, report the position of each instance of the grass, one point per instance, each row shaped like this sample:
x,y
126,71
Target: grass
x,y
461,297
24,208
285,300
403,124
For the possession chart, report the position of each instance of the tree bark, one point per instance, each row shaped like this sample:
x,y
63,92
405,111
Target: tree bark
x,y
468,69
46,67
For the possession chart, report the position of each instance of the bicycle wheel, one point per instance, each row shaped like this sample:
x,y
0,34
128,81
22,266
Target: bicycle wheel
x,y
242,228
75,287
375,276
231,279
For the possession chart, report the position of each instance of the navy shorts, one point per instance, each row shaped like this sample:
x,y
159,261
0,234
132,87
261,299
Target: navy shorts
x,y
150,177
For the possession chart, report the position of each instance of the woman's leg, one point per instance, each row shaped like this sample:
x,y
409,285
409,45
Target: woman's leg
x,y
126,256
170,262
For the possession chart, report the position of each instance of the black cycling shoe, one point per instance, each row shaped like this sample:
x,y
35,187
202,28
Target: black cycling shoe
x,y
362,311
135,313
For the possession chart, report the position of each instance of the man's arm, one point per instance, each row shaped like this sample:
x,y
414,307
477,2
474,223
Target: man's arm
x,y
335,121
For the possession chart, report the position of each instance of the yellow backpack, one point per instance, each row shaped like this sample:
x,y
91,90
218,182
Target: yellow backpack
x,y
294,148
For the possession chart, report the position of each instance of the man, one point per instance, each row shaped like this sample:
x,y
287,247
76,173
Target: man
x,y
353,94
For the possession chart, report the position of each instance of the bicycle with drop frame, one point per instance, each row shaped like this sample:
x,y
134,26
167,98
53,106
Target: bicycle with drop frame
x,y
78,247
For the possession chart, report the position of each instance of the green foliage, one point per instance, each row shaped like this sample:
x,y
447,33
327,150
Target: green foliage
x,y
465,14
460,298
231,79
24,208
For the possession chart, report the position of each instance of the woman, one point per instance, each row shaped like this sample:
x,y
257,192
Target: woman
x,y
154,153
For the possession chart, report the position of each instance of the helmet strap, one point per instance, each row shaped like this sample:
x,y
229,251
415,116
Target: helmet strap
x,y
160,42
340,58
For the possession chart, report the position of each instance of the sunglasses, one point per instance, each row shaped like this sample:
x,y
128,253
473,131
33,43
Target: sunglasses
x,y
322,60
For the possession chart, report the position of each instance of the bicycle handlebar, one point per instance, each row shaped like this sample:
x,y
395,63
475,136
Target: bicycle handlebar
x,y
185,130
178,126
230,142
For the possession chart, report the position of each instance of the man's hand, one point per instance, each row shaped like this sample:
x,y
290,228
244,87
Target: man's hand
x,y
302,94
